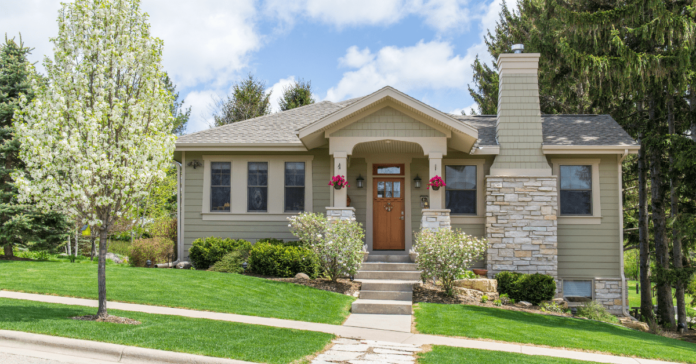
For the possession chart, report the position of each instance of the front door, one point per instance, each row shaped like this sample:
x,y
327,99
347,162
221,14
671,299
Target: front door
x,y
389,215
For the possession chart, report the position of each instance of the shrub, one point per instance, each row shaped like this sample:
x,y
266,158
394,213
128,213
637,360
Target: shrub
x,y
208,251
532,288
278,260
231,262
498,303
550,307
274,241
42,255
484,299
447,254
157,250
337,244
595,311
468,275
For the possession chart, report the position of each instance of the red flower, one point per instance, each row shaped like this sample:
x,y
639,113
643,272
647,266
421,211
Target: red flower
x,y
436,181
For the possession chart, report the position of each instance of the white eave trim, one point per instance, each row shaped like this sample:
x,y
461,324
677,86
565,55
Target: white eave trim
x,y
241,147
590,149
396,95
486,150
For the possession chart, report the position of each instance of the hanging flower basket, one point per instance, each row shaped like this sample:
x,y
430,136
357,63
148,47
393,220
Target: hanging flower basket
x,y
436,182
339,182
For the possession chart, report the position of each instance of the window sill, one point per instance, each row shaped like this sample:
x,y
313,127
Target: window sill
x,y
579,220
246,216
467,219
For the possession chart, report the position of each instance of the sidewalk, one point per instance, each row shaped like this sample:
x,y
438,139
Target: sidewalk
x,y
342,331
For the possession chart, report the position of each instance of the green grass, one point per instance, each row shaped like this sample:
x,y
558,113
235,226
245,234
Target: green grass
x,y
172,333
634,298
450,355
528,328
200,290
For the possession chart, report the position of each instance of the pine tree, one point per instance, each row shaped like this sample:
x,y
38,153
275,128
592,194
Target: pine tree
x,y
180,114
247,100
296,95
20,224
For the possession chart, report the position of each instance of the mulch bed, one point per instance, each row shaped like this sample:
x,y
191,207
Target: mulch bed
x,y
5,257
343,286
110,318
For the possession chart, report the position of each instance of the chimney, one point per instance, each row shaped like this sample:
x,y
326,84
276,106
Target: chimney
x,y
518,127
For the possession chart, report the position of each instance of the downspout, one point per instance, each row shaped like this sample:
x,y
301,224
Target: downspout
x,y
624,287
178,220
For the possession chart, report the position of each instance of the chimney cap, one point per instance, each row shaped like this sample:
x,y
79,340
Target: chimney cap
x,y
518,48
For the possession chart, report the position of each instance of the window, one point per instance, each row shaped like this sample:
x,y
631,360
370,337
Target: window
x,y
257,185
576,190
220,186
388,189
460,189
294,186
577,291
388,169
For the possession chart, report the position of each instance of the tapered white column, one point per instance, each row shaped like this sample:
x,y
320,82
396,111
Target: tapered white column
x,y
435,170
340,169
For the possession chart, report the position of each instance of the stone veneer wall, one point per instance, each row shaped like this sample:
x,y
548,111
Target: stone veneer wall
x,y
340,213
435,219
521,224
608,293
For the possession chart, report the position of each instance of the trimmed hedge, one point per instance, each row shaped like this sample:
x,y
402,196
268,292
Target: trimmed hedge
x,y
207,251
533,288
231,262
280,260
274,241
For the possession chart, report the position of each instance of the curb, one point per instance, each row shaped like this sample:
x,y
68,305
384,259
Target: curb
x,y
103,351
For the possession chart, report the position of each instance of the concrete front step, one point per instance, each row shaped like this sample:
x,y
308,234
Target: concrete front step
x,y
395,275
389,266
387,295
384,307
389,258
386,285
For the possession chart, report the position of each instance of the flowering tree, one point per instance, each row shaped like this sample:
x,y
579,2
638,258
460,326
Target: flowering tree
x,y
98,133
338,244
446,254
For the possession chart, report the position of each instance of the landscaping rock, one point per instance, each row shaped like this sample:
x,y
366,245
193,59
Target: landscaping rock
x,y
184,265
479,284
634,324
524,304
475,294
301,276
561,302
115,258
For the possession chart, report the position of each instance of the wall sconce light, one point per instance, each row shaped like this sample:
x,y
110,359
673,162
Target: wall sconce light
x,y
360,181
194,163
417,181
425,204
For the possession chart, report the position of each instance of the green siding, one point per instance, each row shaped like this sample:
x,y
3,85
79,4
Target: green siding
x,y
387,122
358,196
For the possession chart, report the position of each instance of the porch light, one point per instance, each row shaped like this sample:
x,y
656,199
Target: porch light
x,y
417,181
360,181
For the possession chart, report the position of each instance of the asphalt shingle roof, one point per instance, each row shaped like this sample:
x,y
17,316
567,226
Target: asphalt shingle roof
x,y
281,128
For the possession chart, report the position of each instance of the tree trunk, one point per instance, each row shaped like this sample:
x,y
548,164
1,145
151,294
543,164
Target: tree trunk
x,y
101,272
8,250
692,108
93,252
69,245
665,306
646,306
673,214
77,246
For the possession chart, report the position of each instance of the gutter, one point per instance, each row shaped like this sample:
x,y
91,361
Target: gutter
x,y
624,287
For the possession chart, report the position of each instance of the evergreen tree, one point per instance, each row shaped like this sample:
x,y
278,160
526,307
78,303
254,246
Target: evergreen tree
x,y
180,114
20,224
247,100
296,95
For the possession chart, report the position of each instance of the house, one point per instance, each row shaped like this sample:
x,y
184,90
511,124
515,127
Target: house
x,y
544,189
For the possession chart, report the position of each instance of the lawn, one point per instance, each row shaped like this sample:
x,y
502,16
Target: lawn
x,y
528,328
634,298
172,333
450,355
200,290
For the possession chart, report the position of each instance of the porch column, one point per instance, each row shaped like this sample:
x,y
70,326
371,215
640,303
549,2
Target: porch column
x,y
340,169
435,217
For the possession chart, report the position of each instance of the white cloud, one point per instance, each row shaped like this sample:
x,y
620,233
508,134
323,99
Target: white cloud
x,y
356,58
466,110
200,103
431,65
441,15
277,91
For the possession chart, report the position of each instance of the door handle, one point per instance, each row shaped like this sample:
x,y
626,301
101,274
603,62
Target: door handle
x,y
402,216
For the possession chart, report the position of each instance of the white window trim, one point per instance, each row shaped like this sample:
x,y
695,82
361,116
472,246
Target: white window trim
x,y
276,187
480,217
596,217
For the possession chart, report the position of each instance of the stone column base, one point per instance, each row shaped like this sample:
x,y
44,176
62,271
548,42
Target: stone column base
x,y
435,219
608,293
340,213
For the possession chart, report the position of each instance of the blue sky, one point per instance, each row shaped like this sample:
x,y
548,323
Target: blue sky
x,y
346,48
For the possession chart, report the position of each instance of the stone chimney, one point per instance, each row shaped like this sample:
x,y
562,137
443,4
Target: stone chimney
x,y
518,128
521,192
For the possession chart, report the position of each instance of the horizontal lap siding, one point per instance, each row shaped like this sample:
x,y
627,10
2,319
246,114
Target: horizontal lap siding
x,y
358,196
195,227
587,251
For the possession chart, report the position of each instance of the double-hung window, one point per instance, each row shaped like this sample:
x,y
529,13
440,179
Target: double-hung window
x,y
576,190
220,186
257,187
460,189
294,186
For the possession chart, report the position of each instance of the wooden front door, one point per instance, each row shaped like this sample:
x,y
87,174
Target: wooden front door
x,y
389,214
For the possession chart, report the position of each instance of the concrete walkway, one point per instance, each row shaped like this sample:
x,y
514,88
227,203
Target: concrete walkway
x,y
342,331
